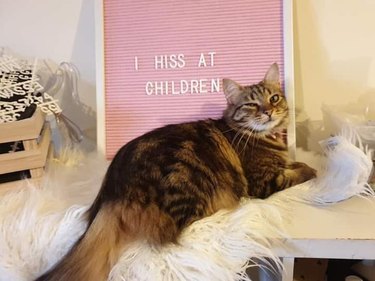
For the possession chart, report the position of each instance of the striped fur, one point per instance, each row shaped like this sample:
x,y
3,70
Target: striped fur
x,y
170,177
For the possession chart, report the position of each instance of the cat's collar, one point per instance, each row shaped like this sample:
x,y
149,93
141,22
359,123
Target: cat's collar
x,y
277,136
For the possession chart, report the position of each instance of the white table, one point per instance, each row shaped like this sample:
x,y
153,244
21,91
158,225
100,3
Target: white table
x,y
345,230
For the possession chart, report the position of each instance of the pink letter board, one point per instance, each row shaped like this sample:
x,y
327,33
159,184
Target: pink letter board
x,y
162,62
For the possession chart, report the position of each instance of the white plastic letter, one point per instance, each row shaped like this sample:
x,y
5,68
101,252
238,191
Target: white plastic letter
x,y
212,57
202,61
215,85
136,63
149,88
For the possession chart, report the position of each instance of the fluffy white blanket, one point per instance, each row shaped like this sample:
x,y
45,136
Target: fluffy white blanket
x,y
38,226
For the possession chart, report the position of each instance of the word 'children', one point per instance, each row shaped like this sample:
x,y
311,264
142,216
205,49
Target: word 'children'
x,y
182,86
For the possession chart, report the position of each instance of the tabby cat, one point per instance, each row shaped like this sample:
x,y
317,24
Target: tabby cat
x,y
161,182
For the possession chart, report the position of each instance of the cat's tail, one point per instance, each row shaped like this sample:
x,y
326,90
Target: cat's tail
x,y
115,226
94,254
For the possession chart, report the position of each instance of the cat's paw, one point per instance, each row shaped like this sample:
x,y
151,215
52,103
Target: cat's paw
x,y
308,173
304,171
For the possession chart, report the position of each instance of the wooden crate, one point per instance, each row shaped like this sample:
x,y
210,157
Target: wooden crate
x,y
35,135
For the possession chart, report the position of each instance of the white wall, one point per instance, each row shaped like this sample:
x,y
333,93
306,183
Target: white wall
x,y
334,53
334,47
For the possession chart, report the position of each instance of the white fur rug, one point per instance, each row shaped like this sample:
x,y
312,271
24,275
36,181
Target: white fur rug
x,y
38,226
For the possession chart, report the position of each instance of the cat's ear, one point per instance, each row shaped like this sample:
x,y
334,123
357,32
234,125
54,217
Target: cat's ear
x,y
273,75
232,91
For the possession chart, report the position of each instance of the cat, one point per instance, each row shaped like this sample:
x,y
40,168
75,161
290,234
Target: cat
x,y
162,181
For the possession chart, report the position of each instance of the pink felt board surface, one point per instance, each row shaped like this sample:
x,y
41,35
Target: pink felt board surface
x,y
164,60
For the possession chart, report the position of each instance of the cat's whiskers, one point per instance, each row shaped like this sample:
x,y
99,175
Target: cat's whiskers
x,y
239,131
256,144
250,134
244,132
230,130
251,128
255,140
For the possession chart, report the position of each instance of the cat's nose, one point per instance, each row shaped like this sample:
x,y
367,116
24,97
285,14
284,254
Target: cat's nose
x,y
268,112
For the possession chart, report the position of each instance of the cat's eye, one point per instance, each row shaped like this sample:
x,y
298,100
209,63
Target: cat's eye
x,y
275,98
251,104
